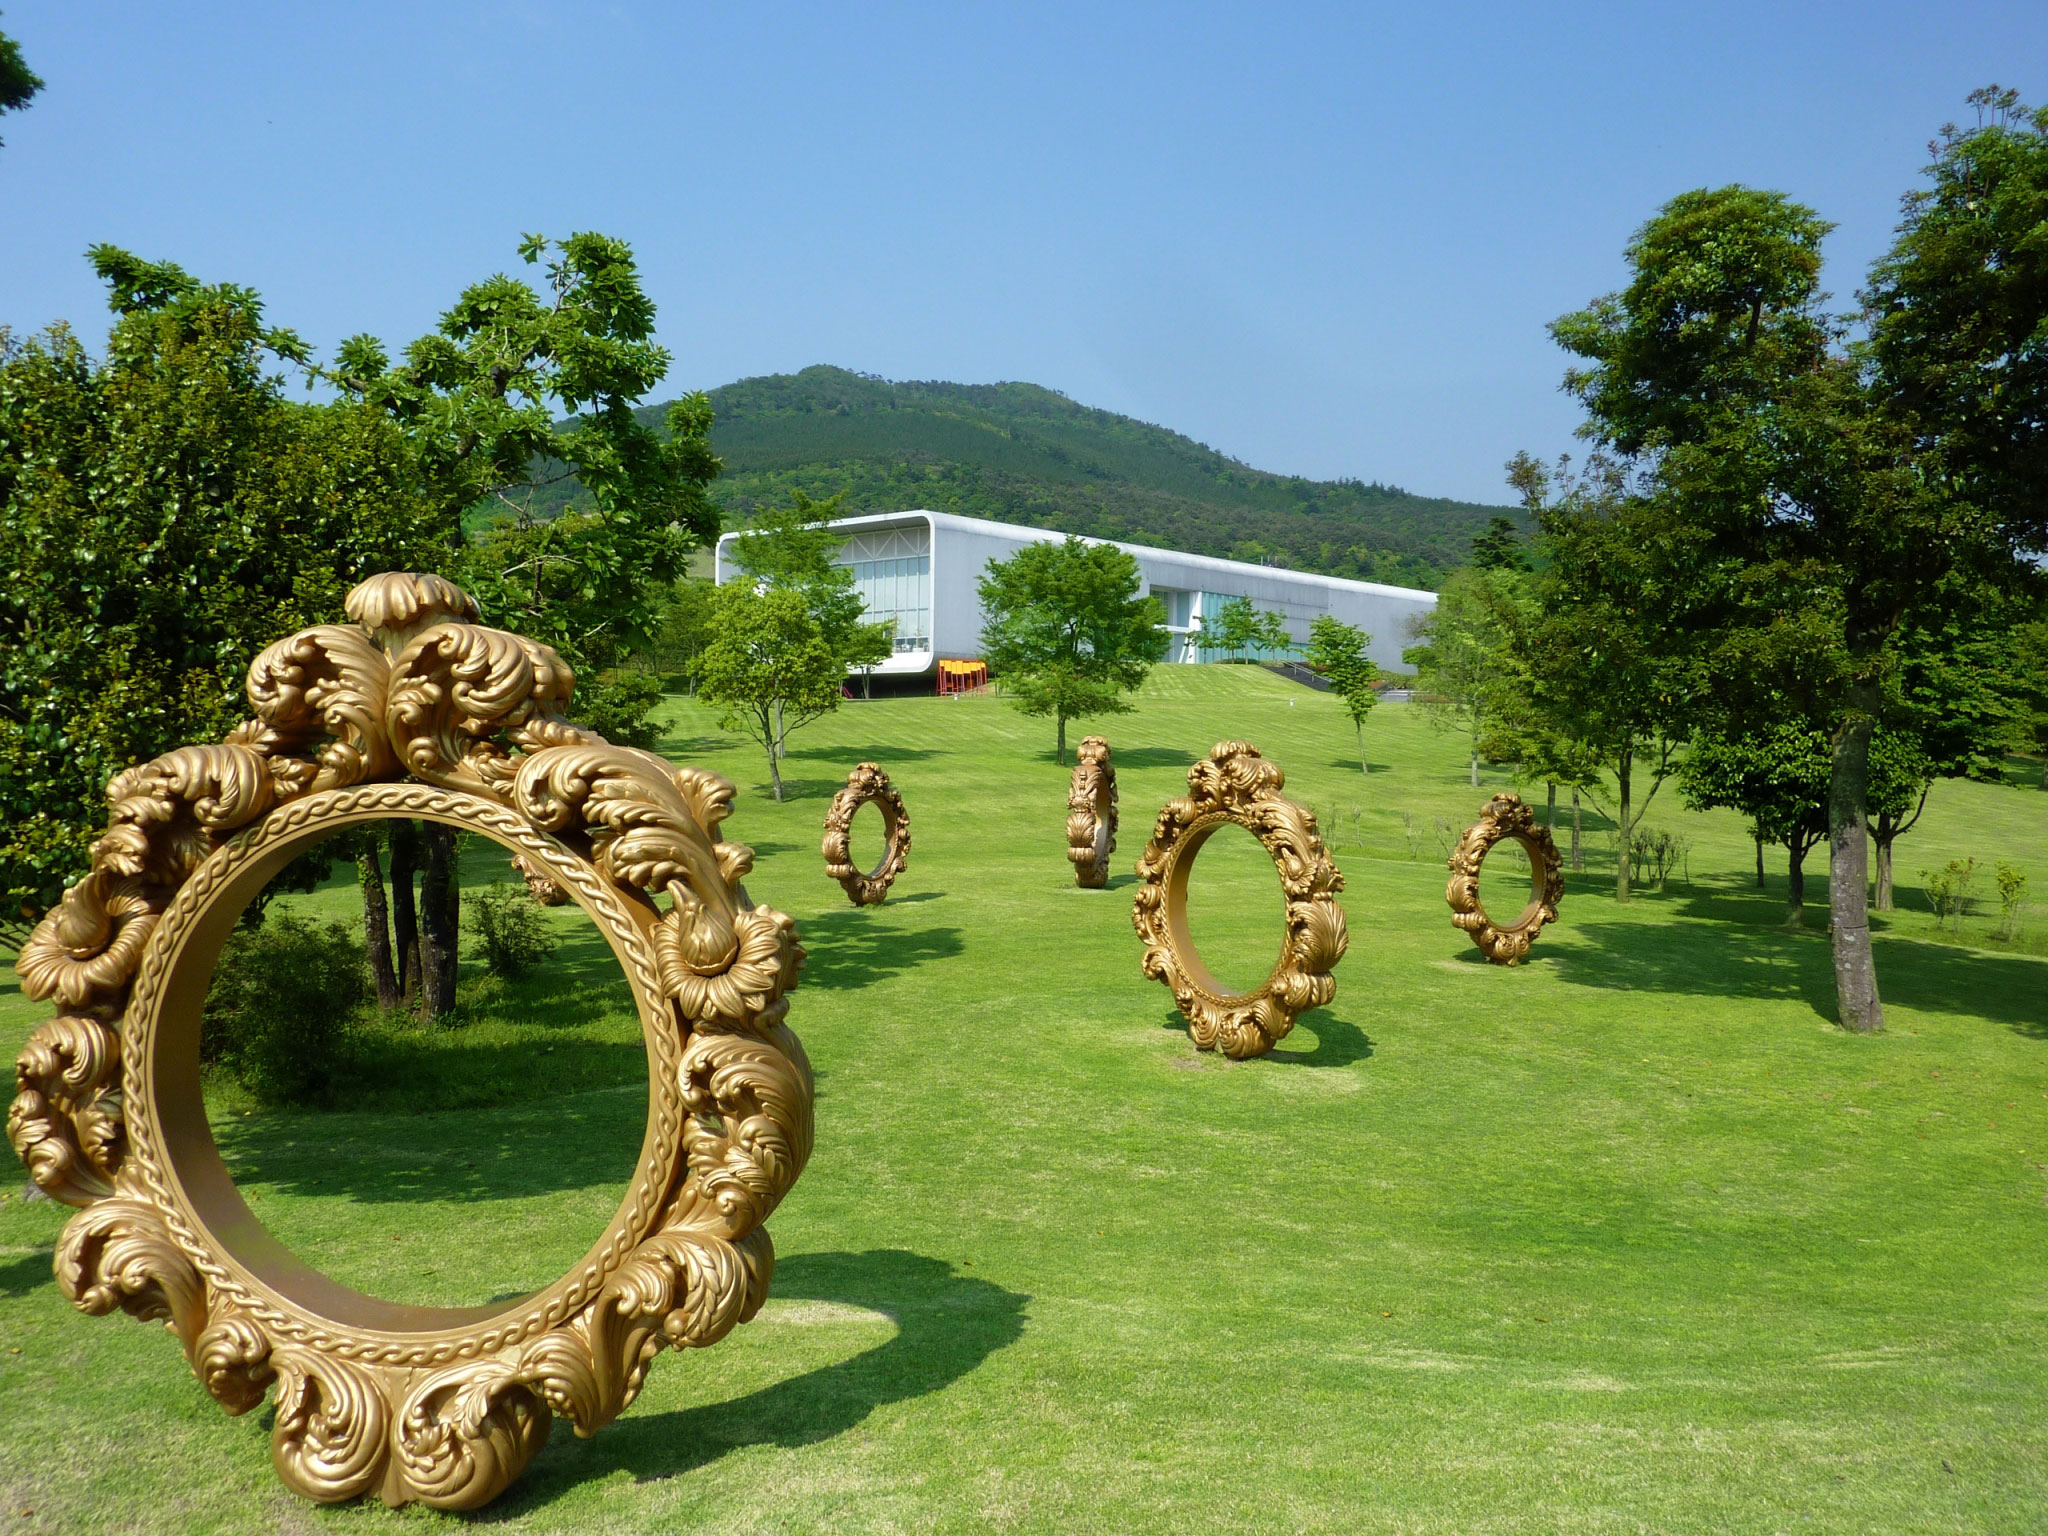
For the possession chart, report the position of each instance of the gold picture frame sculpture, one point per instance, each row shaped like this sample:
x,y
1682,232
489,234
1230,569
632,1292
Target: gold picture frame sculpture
x,y
1091,813
413,710
1235,786
1505,816
866,784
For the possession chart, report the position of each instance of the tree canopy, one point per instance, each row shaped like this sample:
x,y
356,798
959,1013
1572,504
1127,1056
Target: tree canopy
x,y
165,512
1066,632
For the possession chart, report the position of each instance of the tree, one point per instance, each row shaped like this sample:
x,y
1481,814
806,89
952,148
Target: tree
x,y
1776,776
2029,673
1337,650
1590,647
1066,632
1499,547
1813,495
794,548
480,399
18,83
165,513
1459,649
768,665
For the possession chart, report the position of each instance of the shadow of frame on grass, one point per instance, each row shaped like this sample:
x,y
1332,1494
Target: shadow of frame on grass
x,y
947,1324
1339,1042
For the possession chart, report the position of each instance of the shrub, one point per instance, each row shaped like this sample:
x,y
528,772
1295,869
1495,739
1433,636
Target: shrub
x,y
1653,853
2012,894
1948,889
514,936
278,1014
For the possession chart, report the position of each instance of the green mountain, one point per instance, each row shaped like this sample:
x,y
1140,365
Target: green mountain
x,y
1022,454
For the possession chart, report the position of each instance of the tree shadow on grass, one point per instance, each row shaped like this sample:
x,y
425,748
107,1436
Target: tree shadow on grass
x,y
1738,959
947,1324
462,1157
894,752
1149,757
853,946
19,1276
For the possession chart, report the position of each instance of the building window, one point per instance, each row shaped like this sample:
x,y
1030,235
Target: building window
x,y
898,589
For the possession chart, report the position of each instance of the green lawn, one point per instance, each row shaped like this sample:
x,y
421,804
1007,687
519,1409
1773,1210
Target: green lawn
x,y
1628,1239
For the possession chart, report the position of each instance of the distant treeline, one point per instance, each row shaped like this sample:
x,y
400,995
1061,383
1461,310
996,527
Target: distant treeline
x,y
1019,453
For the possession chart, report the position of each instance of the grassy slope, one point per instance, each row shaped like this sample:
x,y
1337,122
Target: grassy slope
x,y
1628,1239
1019,453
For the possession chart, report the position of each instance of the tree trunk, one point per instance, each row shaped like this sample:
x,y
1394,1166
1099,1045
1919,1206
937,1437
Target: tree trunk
x,y
1578,860
1621,830
1795,882
1884,872
1856,1000
377,924
1759,837
405,922
781,733
1063,738
440,918
1363,766
768,736
1475,767
1550,811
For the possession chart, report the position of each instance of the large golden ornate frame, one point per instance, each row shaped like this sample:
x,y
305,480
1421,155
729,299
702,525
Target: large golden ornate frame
x,y
1505,816
1236,786
1091,813
412,711
866,783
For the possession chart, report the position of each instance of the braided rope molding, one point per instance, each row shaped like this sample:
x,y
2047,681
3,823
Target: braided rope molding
x,y
1091,813
145,1155
866,783
1506,815
1234,785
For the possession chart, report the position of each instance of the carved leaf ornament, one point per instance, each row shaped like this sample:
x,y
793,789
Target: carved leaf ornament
x,y
414,710
866,784
1234,785
1091,813
1505,816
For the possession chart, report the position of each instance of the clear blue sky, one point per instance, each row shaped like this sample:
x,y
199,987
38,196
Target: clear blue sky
x,y
1324,240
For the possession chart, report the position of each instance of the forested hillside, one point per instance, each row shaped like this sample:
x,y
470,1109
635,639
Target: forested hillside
x,y
1023,454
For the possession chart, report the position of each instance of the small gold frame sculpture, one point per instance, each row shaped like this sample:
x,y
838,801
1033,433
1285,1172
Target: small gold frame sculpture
x,y
1505,816
1236,786
1091,814
866,783
412,711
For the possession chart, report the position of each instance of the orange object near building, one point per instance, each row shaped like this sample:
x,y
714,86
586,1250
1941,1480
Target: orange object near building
x,y
962,676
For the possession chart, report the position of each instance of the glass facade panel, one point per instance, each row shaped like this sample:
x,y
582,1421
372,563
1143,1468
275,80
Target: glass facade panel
x,y
899,589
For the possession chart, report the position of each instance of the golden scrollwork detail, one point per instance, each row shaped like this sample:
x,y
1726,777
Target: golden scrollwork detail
x,y
1505,816
866,784
1235,786
1091,813
413,712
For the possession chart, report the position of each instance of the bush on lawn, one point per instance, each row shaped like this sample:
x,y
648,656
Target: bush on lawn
x,y
278,1014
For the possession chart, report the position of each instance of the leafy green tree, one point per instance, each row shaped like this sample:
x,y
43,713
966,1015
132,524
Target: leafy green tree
x,y
1595,679
1066,631
2029,663
794,548
768,665
1338,651
18,83
480,398
1499,547
1778,777
1460,651
165,513
1811,495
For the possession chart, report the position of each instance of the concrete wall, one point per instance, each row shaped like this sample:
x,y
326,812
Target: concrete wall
x,y
961,548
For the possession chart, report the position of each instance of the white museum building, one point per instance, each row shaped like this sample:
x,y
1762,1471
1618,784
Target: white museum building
x,y
921,569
